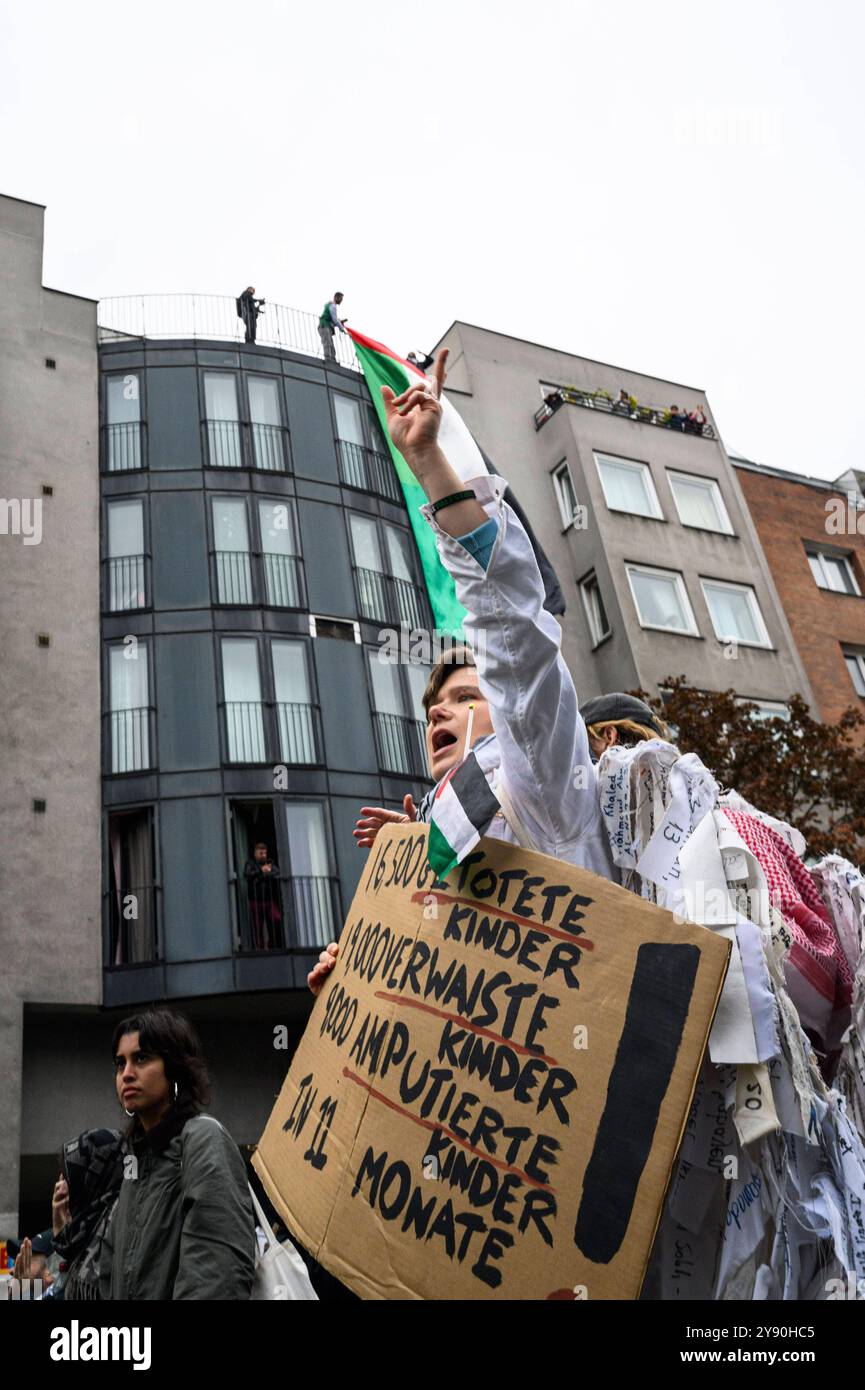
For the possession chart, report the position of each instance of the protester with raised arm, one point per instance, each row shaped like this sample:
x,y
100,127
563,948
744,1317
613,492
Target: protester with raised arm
x,y
526,716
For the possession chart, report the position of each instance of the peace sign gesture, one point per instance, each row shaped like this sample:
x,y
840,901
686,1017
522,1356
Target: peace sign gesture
x,y
413,418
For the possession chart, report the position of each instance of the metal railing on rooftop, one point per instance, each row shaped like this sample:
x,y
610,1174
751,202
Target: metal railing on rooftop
x,y
629,410
214,316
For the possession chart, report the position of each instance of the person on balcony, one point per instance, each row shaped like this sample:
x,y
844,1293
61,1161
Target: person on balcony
x,y
676,418
262,886
248,309
696,420
330,323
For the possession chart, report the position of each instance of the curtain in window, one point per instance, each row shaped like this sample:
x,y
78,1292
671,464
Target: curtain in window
x,y
624,488
314,920
697,506
243,711
130,724
122,400
125,529
732,615
220,395
658,600
264,401
348,419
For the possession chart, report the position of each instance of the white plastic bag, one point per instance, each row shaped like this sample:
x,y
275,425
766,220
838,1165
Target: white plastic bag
x,y
280,1273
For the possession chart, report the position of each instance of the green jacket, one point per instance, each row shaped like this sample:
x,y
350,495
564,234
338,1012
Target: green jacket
x,y
183,1228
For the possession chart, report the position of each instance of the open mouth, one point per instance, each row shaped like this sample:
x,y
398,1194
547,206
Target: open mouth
x,y
442,738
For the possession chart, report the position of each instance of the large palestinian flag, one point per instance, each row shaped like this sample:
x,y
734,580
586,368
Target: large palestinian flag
x,y
381,367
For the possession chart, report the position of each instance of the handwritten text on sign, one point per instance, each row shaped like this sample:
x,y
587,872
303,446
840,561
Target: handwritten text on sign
x,y
442,1132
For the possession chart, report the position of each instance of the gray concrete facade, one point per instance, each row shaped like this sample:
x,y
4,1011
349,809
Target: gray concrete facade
x,y
497,383
50,939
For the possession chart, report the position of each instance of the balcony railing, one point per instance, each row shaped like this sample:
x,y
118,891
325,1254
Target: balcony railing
x,y
244,726
125,583
268,451
314,914
298,726
260,913
214,316
239,583
603,401
132,926
121,447
283,580
224,449
233,577
130,739
383,599
368,470
401,745
250,732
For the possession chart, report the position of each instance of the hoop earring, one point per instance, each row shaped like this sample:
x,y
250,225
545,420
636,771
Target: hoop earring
x,y
130,1113
175,1093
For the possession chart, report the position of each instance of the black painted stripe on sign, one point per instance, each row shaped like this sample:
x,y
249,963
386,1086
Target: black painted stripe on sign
x,y
658,1006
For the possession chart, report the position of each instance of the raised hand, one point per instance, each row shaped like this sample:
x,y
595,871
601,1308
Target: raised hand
x,y
59,1205
319,973
372,818
413,418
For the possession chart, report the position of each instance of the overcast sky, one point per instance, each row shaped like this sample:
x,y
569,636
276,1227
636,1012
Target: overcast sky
x,y
671,187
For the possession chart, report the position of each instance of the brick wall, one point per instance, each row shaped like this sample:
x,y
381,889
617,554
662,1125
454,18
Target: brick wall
x,y
787,514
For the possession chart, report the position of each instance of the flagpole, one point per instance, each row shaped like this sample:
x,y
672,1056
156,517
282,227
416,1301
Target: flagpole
x,y
468,744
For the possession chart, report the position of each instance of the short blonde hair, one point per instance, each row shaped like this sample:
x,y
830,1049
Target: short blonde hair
x,y
639,732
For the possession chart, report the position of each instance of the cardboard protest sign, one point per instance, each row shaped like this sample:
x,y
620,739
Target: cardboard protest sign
x,y
491,1089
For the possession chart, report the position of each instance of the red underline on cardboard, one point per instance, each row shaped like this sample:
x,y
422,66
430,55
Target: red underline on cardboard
x,y
464,1023
582,941
430,1125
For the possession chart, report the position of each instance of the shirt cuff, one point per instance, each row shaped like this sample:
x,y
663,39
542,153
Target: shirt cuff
x,y
479,542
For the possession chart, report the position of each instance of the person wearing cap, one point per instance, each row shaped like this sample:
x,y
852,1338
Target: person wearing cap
x,y
526,716
619,718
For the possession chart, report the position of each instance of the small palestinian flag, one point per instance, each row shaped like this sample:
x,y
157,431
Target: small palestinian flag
x,y
463,804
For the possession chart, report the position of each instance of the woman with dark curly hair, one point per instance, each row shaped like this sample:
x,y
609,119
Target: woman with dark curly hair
x,y
183,1225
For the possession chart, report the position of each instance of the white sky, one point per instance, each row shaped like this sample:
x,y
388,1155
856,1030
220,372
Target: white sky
x,y
672,187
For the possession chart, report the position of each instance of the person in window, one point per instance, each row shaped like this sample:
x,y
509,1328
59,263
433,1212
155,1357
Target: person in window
x,y
523,695
262,884
330,323
183,1227
248,309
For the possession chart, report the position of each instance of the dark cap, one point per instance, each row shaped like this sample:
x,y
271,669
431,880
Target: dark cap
x,y
609,709
42,1244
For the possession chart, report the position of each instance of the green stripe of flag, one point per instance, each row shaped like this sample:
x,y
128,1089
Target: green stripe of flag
x,y
380,369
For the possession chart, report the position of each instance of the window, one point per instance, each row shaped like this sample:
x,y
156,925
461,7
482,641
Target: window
x,y
231,551
565,494
129,707
385,573
766,709
126,580
266,424
661,599
735,613
856,667
223,420
243,708
399,725
313,889
628,487
295,712
258,892
833,572
370,470
699,502
595,612
123,423
283,570
131,888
